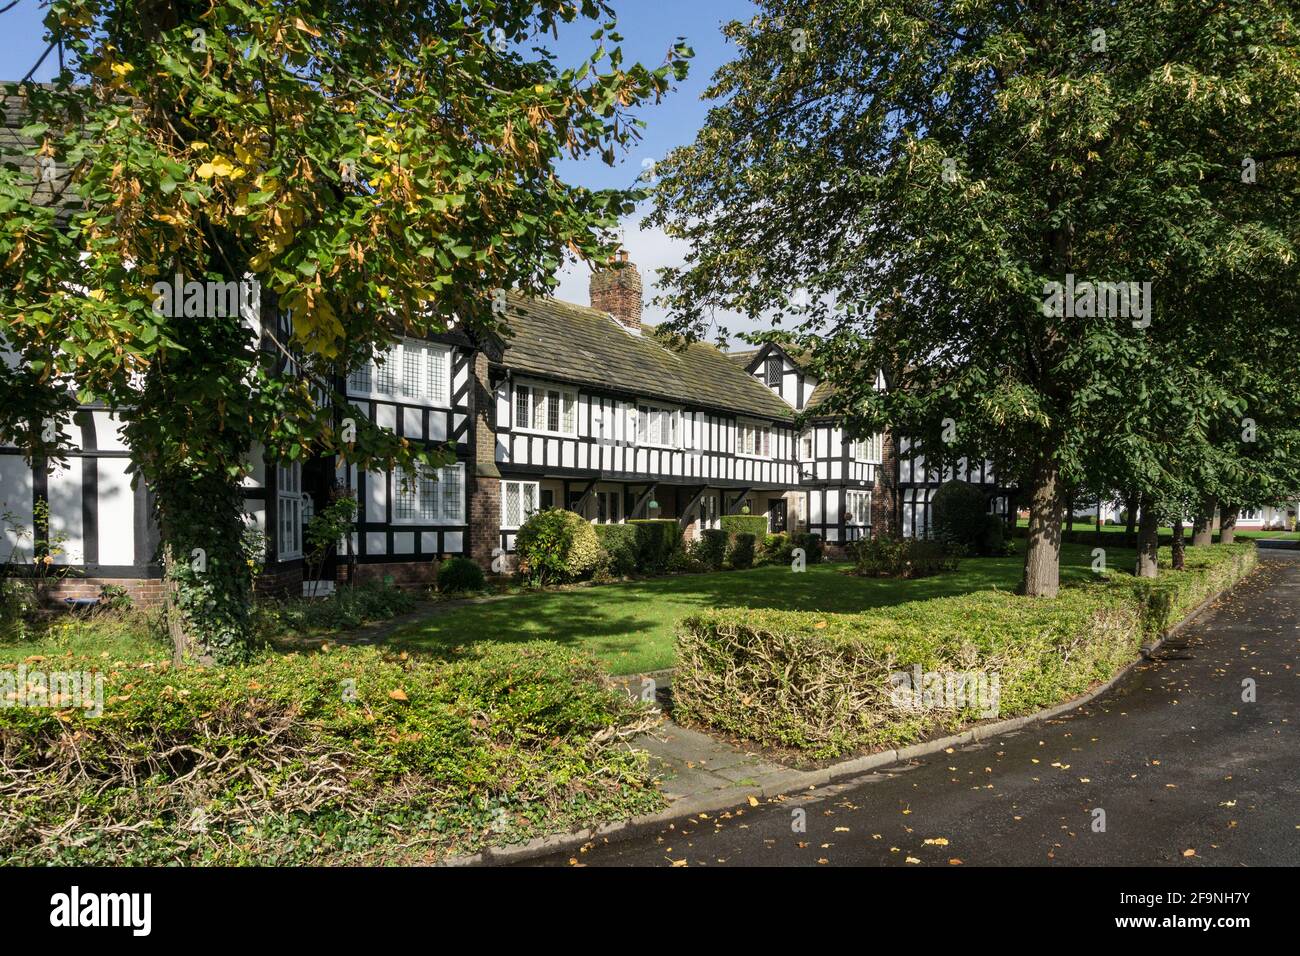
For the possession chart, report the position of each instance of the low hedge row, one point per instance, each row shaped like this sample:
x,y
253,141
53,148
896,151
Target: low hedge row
x,y
348,756
821,684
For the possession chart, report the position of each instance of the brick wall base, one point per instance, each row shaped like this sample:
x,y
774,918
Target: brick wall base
x,y
144,592
407,575
286,583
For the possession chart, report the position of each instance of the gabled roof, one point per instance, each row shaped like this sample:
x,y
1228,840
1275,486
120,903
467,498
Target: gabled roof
x,y
579,345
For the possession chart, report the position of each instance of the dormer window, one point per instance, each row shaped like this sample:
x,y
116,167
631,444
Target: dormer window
x,y
773,370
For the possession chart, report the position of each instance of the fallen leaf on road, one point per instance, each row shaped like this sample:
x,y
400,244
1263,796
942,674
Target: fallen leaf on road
x,y
1189,853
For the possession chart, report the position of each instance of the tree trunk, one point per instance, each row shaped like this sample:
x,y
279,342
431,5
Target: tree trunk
x,y
1042,575
208,577
1148,540
184,645
1228,523
1178,543
1203,524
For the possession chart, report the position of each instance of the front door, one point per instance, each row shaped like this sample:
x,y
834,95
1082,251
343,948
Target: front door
x,y
776,511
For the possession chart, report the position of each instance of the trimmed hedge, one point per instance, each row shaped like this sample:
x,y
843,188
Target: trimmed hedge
x,y
621,547
657,540
744,524
886,557
345,757
711,548
741,554
814,549
821,683
959,509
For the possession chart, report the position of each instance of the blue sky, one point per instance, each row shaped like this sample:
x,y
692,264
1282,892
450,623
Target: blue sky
x,y
648,27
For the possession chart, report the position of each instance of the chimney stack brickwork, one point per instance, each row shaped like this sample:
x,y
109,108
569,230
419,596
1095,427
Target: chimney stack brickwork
x,y
617,290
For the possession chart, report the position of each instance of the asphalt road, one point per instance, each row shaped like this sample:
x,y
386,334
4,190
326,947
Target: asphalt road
x,y
1173,756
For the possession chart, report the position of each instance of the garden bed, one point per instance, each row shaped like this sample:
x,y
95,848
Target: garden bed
x,y
823,686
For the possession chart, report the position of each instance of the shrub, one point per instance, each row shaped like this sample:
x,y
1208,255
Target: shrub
x,y
813,547
349,756
711,548
825,684
685,561
741,554
746,523
555,546
115,597
958,511
775,549
619,542
994,541
460,574
887,557
347,608
658,539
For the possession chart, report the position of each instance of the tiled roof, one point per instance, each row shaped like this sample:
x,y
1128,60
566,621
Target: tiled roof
x,y
47,188
572,343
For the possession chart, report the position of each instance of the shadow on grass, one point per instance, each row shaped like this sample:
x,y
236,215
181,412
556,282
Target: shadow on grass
x,y
629,627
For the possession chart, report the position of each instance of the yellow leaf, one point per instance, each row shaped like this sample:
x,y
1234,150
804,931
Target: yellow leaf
x,y
122,69
398,694
753,801
937,841
1189,853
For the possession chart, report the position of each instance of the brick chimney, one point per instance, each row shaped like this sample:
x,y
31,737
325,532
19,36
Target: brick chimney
x,y
616,289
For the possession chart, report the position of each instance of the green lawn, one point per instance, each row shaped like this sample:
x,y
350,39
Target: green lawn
x,y
1187,531
629,627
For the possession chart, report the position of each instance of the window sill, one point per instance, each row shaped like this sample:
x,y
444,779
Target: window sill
x,y
541,433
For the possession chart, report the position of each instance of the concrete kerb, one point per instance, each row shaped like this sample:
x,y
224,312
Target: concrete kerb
x,y
805,779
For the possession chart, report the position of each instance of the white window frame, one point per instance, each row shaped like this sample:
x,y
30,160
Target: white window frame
x,y
288,511
650,414
758,429
433,505
519,487
534,390
867,450
853,501
810,436
396,360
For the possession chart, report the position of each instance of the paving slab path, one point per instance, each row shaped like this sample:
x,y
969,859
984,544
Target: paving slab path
x,y
1176,765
